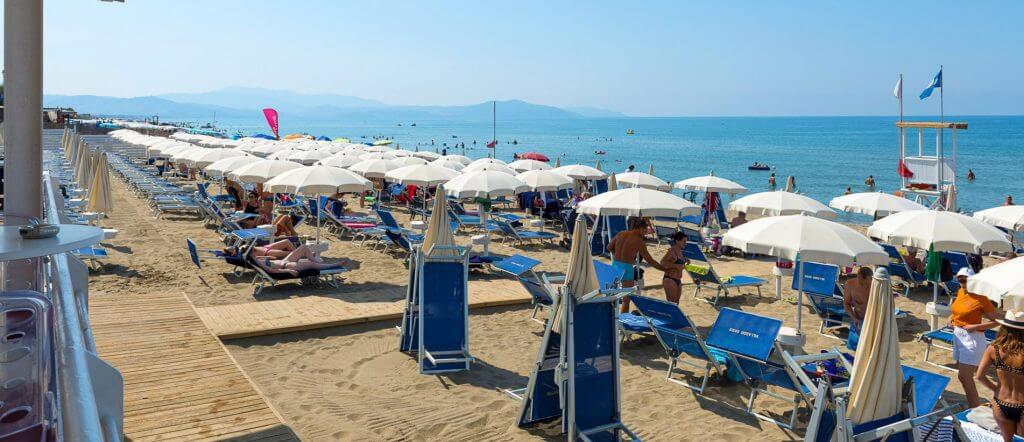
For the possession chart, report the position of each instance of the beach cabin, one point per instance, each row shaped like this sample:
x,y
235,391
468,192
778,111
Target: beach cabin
x,y
927,177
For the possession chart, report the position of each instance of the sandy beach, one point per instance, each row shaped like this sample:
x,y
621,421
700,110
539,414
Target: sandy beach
x,y
351,383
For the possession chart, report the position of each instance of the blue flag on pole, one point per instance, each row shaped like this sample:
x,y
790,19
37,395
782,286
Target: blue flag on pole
x,y
936,82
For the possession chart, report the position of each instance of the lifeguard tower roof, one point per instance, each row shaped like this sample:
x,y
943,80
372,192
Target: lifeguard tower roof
x,y
930,125
929,177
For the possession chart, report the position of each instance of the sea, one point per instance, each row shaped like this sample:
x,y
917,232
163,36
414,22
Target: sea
x,y
825,155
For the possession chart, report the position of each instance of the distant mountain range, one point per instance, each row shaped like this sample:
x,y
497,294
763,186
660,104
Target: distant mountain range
x,y
237,102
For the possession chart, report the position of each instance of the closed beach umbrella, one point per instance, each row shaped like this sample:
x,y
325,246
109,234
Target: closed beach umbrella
x,y
807,238
1007,217
342,161
876,381
945,231
597,165
263,171
1005,279
425,175
484,184
791,184
545,180
211,156
650,169
874,204
580,277
83,176
409,161
315,181
309,157
638,201
781,203
711,183
222,167
476,167
527,165
558,162
100,200
373,168
449,163
613,183
580,172
439,227
640,179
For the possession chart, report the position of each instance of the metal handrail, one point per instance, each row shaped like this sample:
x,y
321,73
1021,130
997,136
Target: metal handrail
x,y
79,416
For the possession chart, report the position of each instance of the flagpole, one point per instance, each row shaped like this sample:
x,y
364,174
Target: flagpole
x,y
942,94
494,128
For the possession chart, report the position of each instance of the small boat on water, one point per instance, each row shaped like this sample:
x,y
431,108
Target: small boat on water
x,y
599,152
630,132
759,166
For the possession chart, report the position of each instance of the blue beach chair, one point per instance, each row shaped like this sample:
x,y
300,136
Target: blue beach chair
x,y
703,274
943,338
521,267
679,337
821,286
898,268
521,236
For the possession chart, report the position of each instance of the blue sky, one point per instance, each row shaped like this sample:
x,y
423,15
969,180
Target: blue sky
x,y
650,58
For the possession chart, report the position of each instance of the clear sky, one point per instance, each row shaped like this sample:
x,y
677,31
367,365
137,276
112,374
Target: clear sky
x,y
648,58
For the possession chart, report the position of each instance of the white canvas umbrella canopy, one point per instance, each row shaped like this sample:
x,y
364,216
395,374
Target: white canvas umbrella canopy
x,y
484,184
807,238
638,201
1005,279
427,155
266,149
222,167
640,179
711,183
343,161
460,158
545,180
377,148
426,175
487,161
439,228
495,167
580,277
580,172
170,152
211,156
100,200
315,181
528,165
781,203
262,171
877,380
378,156
1007,217
309,157
183,155
449,163
400,153
284,154
874,204
409,161
946,231
373,168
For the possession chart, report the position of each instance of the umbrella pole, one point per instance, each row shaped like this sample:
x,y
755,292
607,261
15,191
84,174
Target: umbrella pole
x,y
800,295
317,254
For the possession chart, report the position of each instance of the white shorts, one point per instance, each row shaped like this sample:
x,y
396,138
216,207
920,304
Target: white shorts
x,y
968,347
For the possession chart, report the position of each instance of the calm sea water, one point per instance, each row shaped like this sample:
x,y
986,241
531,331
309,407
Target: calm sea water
x,y
825,154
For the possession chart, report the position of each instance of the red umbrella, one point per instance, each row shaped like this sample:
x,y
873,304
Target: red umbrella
x,y
534,156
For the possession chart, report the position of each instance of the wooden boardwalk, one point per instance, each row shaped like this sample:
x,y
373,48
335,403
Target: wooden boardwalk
x,y
305,313
180,381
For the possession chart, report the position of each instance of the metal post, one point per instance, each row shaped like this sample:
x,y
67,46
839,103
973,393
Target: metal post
x,y
23,125
800,294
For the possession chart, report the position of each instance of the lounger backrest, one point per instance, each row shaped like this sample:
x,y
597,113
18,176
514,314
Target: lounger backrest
x,y
594,369
201,188
314,211
193,252
897,265
744,333
957,260
928,388
443,301
536,290
597,239
397,238
506,228
819,279
388,219
692,252
516,265
607,275
670,314
616,224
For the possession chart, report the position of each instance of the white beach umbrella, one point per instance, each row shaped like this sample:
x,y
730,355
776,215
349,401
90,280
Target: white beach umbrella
x,y
100,200
221,167
580,172
315,181
449,163
484,184
580,276
460,158
1001,280
528,165
711,183
426,175
487,161
780,203
545,180
261,172
427,155
495,167
374,168
640,179
266,149
399,153
309,157
170,152
637,201
378,156
1007,217
184,154
331,148
807,238
439,237
877,379
211,156
343,161
283,154
874,204
409,161
945,231
377,148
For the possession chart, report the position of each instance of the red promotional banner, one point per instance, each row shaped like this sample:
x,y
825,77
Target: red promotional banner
x,y
271,115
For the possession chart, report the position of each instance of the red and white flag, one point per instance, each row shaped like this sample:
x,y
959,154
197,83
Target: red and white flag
x,y
492,144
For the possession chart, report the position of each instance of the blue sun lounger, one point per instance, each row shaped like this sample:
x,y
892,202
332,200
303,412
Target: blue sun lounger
x,y
943,338
586,394
435,323
821,286
521,267
703,274
679,338
898,268
521,236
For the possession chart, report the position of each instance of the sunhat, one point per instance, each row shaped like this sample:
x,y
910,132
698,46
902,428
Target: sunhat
x,y
1013,319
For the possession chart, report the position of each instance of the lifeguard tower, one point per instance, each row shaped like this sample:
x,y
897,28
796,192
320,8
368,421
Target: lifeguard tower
x,y
929,178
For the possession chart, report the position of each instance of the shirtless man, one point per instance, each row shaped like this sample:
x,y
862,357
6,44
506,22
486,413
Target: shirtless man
x,y
913,261
625,248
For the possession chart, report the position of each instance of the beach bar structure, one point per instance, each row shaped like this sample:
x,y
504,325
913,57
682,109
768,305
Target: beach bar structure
x,y
930,177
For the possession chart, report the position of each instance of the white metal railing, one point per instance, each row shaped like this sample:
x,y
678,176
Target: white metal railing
x,y
90,392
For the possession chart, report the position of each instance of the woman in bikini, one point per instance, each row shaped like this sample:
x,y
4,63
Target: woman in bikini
x,y
674,263
1006,354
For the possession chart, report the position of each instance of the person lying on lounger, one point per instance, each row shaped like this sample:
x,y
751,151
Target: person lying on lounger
x,y
301,259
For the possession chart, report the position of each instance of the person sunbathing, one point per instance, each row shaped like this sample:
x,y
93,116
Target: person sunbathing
x,y
277,250
301,259
913,261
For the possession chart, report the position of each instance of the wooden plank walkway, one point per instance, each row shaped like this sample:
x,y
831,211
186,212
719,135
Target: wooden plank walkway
x,y
306,313
180,381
